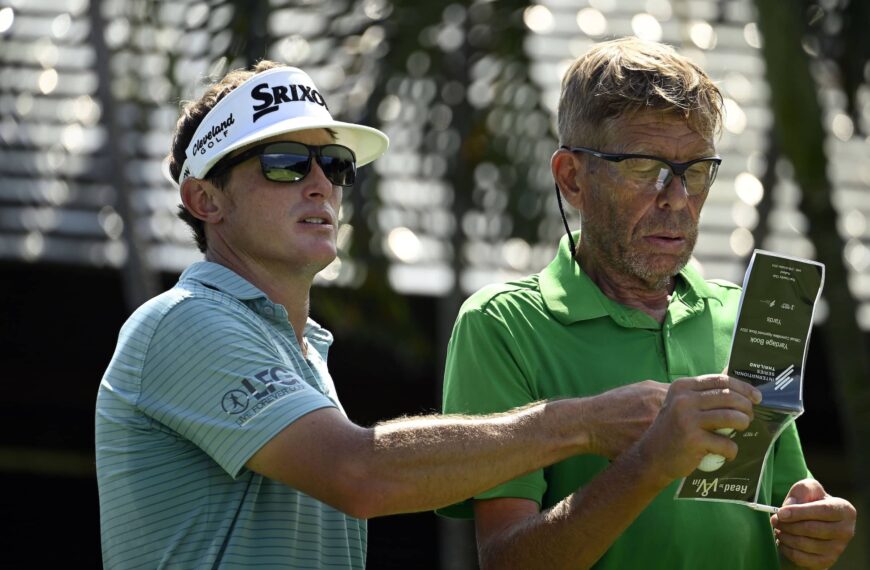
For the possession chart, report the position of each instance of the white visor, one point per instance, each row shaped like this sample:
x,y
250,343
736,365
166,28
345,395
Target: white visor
x,y
277,101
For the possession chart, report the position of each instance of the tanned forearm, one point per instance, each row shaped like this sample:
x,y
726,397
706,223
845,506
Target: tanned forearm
x,y
576,532
421,463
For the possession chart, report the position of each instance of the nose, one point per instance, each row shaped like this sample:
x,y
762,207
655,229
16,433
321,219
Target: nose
x,y
672,192
317,185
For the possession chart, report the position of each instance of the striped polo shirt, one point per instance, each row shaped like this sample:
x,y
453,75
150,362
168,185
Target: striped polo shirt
x,y
202,377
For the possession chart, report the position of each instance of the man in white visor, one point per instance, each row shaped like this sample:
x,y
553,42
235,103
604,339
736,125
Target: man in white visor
x,y
220,439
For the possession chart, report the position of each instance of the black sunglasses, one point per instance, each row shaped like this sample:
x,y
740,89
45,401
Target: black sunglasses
x,y
291,162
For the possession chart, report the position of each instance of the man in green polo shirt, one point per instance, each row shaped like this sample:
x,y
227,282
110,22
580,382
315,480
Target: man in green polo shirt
x,y
637,124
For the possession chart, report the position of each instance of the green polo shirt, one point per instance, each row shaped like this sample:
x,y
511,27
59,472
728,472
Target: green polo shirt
x,y
556,335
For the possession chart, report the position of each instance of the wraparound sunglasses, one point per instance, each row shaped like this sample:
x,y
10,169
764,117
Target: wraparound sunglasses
x,y
291,162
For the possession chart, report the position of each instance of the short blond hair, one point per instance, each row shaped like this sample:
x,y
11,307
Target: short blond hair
x,y
618,78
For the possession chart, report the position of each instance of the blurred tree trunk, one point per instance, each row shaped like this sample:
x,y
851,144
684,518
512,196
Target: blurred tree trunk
x,y
140,281
801,137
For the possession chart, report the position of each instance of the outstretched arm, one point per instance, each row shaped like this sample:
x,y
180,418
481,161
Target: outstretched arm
x,y
420,463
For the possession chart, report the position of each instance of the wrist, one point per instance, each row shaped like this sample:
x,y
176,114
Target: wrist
x,y
571,426
646,461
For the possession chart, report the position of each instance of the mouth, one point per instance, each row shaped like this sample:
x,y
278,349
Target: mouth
x,y
666,241
316,220
666,237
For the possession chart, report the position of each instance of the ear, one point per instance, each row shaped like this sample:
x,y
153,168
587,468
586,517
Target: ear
x,y
201,199
568,173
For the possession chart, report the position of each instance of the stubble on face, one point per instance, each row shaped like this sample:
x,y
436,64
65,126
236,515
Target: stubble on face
x,y
630,258
621,251
626,229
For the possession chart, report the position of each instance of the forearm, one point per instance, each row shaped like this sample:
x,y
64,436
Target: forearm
x,y
427,462
576,532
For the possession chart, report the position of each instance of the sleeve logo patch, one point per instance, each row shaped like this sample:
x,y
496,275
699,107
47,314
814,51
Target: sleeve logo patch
x,y
258,391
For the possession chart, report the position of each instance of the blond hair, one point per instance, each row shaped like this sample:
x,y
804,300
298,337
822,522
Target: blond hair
x,y
619,78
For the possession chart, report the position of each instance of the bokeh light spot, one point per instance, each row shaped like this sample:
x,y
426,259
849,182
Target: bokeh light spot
x,y
7,16
404,244
591,22
646,27
854,223
60,26
749,188
703,35
539,19
752,35
741,241
47,81
842,126
735,118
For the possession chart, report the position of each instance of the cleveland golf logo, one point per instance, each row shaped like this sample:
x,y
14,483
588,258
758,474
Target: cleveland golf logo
x,y
273,95
215,135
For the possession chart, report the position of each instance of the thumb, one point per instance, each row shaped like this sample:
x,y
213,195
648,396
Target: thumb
x,y
804,491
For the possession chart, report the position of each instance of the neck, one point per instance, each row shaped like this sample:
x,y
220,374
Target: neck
x,y
629,290
291,290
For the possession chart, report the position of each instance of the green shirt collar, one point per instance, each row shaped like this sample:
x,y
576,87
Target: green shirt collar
x,y
571,296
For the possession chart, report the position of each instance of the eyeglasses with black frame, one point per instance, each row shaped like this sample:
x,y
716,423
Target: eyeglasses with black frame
x,y
649,171
287,161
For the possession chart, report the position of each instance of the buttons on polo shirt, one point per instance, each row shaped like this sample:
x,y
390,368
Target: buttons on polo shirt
x,y
281,312
265,308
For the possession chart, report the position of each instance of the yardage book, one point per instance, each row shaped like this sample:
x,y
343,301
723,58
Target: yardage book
x,y
768,350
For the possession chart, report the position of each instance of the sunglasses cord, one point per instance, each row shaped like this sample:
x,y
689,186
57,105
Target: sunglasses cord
x,y
565,221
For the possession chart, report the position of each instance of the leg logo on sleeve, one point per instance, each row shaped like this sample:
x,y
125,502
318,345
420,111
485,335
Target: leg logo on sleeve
x,y
263,388
235,402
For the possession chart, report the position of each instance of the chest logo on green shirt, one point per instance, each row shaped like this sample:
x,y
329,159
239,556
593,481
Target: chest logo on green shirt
x,y
258,391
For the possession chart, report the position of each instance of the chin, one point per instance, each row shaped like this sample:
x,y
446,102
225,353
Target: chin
x,y
321,250
309,259
656,269
323,261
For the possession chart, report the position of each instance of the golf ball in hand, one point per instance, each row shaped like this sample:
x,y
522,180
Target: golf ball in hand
x,y
711,461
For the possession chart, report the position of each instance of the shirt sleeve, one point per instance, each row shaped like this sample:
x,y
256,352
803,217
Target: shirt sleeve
x,y
485,373
213,376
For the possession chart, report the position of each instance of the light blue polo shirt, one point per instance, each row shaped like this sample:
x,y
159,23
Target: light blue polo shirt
x,y
202,377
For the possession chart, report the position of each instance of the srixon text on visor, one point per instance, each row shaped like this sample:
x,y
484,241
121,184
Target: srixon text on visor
x,y
273,95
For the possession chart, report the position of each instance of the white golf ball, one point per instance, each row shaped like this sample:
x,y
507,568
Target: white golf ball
x,y
711,461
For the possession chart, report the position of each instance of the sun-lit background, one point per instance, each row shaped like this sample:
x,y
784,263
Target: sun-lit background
x,y
90,91
86,119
